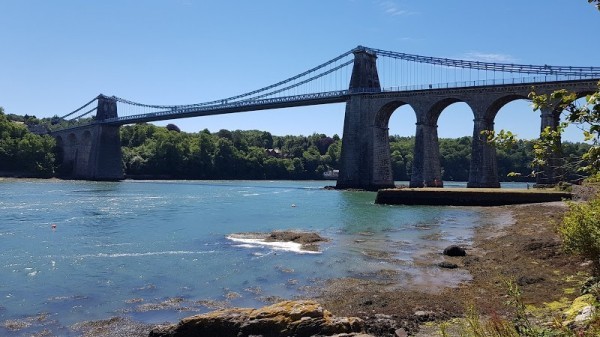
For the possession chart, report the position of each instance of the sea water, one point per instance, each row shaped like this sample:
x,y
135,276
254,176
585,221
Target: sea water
x,y
158,251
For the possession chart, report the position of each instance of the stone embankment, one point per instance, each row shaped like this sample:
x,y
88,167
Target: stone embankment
x,y
467,196
288,318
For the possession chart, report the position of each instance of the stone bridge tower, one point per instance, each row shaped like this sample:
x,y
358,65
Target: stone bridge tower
x,y
365,159
93,152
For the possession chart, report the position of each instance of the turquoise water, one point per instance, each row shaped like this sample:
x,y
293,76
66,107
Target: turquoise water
x,y
158,251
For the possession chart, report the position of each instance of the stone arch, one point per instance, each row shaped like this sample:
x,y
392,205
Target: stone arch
x,y
432,116
578,94
72,139
86,139
382,117
493,109
583,93
381,129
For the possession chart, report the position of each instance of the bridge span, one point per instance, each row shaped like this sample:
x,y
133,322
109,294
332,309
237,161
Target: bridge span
x,y
92,150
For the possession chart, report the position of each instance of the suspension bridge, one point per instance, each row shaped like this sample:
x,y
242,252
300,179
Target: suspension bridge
x,y
373,83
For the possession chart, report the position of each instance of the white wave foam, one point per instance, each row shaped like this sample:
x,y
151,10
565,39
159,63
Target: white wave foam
x,y
170,252
247,245
276,245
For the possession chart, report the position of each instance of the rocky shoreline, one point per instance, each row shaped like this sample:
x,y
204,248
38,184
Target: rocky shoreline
x,y
526,251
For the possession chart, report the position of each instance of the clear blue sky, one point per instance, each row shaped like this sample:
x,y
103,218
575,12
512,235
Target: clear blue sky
x,y
57,55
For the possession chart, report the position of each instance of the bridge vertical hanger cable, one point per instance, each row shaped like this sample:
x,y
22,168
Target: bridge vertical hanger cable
x,y
400,72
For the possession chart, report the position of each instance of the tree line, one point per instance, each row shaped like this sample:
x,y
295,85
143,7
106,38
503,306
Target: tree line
x,y
151,151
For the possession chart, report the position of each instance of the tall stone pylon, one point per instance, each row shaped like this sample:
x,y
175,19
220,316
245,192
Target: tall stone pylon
x,y
364,71
105,156
365,160
93,151
107,108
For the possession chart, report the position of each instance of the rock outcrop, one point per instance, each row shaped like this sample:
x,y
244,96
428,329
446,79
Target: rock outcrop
x,y
288,318
454,250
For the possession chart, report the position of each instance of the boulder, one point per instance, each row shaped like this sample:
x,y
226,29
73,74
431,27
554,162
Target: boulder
x,y
381,325
288,318
454,250
447,265
424,316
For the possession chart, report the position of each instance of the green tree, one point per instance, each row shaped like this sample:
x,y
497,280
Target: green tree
x,y
580,231
586,117
23,152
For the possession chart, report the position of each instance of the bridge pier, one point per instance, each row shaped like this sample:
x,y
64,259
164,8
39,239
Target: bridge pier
x,y
484,170
426,170
365,162
92,152
550,173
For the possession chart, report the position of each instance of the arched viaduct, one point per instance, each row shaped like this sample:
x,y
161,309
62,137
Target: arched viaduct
x,y
366,158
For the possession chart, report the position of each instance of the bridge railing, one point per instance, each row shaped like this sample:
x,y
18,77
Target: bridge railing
x,y
298,99
489,82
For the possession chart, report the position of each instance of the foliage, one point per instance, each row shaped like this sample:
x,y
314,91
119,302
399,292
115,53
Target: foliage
x,y
155,151
24,153
518,324
586,117
548,151
152,151
580,230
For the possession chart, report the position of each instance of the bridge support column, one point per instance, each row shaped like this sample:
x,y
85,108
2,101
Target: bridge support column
x,y
426,170
105,156
484,170
550,174
365,162
93,152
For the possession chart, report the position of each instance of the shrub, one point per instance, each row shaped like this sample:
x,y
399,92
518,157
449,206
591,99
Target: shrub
x,y
580,230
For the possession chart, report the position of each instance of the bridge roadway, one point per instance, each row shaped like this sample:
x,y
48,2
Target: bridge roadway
x,y
338,96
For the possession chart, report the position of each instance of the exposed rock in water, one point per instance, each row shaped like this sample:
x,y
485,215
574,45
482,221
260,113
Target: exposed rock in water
x,y
288,318
455,251
309,241
297,237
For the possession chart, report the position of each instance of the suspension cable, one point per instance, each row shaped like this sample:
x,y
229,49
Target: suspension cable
x,y
85,113
302,82
79,109
489,66
233,98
